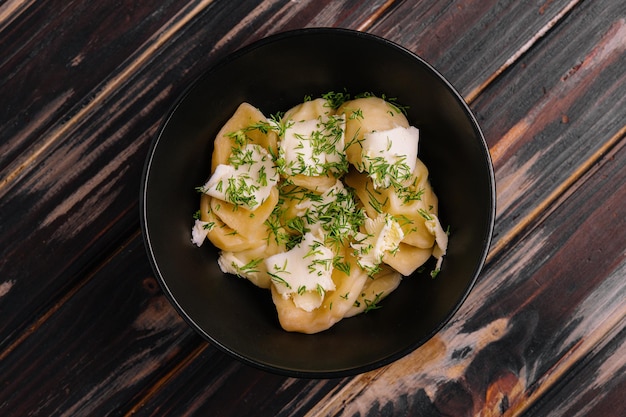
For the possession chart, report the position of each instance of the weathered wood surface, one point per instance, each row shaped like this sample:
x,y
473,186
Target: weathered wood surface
x,y
85,329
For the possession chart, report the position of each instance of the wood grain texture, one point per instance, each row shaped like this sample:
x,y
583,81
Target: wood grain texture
x,y
94,154
602,393
73,46
134,331
550,125
85,328
206,387
457,37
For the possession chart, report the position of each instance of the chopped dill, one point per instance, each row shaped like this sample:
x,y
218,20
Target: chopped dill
x,y
335,100
249,268
373,304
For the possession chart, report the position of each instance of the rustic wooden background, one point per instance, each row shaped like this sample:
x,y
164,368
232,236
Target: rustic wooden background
x,y
84,327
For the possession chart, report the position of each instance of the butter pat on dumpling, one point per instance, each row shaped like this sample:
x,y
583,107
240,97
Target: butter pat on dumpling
x,y
303,273
384,234
389,156
313,147
441,239
247,180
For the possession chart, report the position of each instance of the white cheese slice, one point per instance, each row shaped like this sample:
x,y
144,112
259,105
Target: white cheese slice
x,y
441,239
383,234
303,273
389,156
313,147
199,232
241,264
247,180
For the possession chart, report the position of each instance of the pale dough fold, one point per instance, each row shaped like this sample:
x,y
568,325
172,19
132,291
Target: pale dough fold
x,y
227,238
407,258
365,115
334,307
245,116
376,289
309,110
411,215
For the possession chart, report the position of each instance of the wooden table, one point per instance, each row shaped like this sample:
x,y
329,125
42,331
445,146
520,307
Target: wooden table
x,y
84,327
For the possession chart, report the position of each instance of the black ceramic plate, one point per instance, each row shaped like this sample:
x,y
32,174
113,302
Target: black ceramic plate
x,y
274,74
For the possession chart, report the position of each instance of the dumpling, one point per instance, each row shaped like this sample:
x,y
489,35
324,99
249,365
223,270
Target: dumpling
x,y
348,287
311,145
309,110
246,126
237,235
375,289
365,115
411,206
250,263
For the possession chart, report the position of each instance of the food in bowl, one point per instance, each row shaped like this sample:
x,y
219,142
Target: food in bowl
x,y
239,318
326,205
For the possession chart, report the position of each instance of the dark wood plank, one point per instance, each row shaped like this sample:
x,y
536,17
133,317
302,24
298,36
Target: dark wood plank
x,y
595,386
77,45
471,41
90,357
204,387
56,54
535,138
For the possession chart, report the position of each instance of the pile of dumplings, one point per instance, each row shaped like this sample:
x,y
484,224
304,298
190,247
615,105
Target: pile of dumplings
x,y
327,205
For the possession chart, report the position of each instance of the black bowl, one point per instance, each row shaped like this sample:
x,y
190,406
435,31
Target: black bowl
x,y
274,74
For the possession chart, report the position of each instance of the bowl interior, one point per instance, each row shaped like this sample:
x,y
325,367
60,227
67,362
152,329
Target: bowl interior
x,y
273,75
